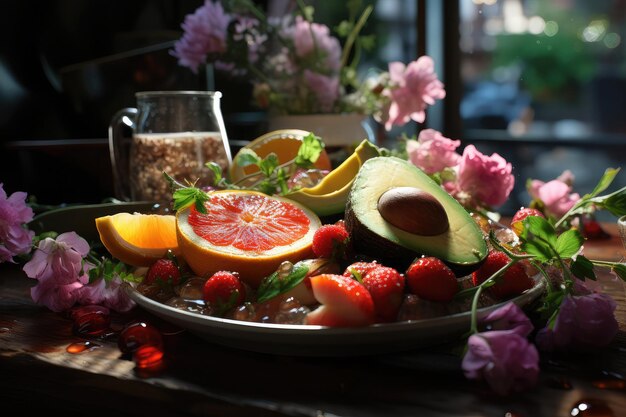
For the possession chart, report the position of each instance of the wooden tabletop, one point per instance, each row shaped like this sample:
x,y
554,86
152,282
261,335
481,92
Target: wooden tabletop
x,y
38,375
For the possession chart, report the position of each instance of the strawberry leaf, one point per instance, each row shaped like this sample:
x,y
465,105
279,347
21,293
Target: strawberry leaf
x,y
569,243
583,268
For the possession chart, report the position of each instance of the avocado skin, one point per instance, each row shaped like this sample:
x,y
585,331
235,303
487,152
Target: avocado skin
x,y
368,242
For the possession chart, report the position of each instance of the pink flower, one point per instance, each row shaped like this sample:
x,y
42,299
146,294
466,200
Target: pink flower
x,y
432,152
57,297
15,238
107,293
556,195
325,89
205,33
509,317
413,88
584,321
59,260
487,179
504,359
315,39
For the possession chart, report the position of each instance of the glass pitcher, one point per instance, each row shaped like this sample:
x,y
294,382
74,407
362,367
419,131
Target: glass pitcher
x,y
176,132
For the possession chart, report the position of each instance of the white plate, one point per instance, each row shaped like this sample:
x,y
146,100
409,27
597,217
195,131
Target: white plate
x,y
299,340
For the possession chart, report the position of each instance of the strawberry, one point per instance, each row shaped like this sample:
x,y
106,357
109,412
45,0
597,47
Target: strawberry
x,y
223,291
163,271
513,282
431,279
344,302
521,214
361,267
330,241
386,286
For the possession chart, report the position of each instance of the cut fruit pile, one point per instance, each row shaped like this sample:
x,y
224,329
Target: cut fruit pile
x,y
403,250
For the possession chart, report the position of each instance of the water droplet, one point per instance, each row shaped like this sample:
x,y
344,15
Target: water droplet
x,y
4,329
79,347
148,356
139,334
617,384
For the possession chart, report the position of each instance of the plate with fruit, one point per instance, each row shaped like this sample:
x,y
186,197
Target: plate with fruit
x,y
373,258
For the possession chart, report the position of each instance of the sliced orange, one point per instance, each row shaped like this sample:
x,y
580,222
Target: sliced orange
x,y
138,239
245,232
284,143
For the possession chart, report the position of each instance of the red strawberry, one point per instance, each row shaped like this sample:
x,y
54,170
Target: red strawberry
x,y
361,267
223,291
164,271
344,302
521,214
330,241
514,281
431,279
386,286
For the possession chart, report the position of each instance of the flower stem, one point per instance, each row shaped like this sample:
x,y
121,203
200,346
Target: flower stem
x,y
353,35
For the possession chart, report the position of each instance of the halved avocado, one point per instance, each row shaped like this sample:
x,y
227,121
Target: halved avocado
x,y
438,225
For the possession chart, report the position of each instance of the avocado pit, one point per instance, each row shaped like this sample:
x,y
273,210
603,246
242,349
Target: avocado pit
x,y
413,210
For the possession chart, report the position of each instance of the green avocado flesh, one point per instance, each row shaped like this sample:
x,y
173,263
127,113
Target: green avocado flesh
x,y
462,245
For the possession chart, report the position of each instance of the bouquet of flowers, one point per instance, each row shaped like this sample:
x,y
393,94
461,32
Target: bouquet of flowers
x,y
297,66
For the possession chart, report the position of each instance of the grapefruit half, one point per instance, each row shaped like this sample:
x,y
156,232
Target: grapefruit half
x,y
246,232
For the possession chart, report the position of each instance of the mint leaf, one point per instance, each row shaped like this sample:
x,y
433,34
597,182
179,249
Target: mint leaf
x,y
309,151
569,243
247,157
583,268
268,164
216,170
185,197
273,285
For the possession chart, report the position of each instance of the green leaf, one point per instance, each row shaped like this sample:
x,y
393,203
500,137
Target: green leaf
x,y
569,243
368,42
605,181
344,28
273,285
582,268
309,151
247,157
185,197
353,7
616,203
538,238
216,169
268,164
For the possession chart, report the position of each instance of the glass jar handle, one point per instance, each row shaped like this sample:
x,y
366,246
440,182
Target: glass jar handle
x,y
119,150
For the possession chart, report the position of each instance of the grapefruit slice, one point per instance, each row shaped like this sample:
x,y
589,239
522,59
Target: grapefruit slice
x,y
138,239
284,143
245,232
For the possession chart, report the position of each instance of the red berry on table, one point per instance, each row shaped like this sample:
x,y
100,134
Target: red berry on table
x,y
163,271
431,279
223,291
344,302
386,286
330,241
513,282
521,214
361,267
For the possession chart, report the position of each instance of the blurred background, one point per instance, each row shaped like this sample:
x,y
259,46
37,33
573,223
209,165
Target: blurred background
x,y
541,82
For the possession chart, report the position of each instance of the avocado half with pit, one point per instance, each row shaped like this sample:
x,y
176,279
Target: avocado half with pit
x,y
396,213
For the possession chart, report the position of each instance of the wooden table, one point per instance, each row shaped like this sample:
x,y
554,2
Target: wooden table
x,y
38,375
